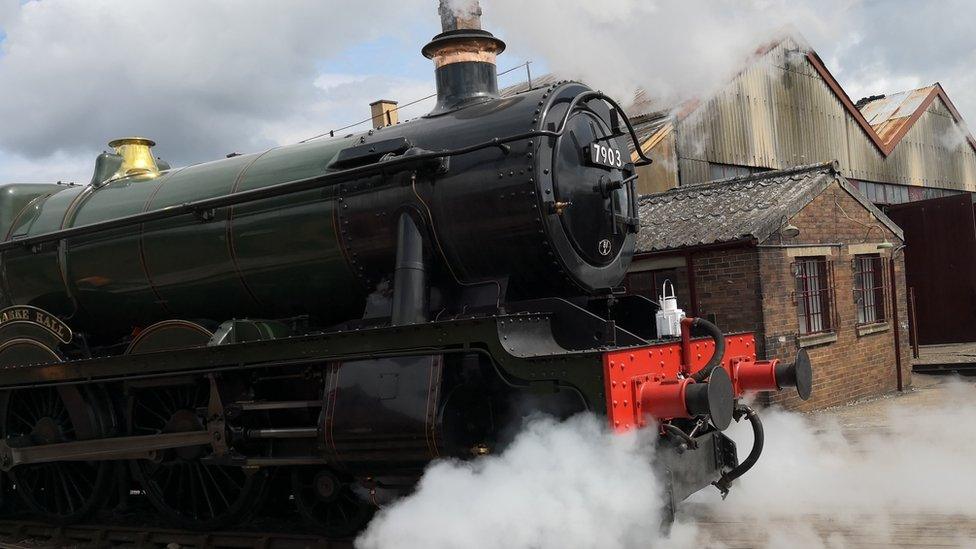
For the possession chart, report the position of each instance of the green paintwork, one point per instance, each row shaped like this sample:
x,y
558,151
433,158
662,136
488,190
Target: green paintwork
x,y
15,197
33,277
288,259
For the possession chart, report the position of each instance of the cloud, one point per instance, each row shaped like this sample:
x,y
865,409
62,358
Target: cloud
x,y
208,78
202,78
916,40
60,166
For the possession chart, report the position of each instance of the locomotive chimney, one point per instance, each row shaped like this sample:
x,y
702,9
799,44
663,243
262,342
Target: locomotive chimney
x,y
137,158
464,56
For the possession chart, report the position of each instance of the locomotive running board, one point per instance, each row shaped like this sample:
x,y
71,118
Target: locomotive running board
x,y
120,448
522,345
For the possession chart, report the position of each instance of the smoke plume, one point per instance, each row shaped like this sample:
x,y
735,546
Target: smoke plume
x,y
841,479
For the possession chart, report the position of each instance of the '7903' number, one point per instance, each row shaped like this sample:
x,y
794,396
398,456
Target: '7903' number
x,y
602,155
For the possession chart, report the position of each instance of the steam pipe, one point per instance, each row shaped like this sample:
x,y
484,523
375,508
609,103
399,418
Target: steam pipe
x,y
717,356
409,275
759,440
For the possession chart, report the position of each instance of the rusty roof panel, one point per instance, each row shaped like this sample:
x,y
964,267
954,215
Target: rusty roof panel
x,y
889,115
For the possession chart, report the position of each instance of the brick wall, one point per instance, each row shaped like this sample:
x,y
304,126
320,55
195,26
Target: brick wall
x,y
854,366
751,289
727,287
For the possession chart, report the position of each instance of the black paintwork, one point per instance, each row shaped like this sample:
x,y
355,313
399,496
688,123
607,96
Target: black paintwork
x,y
485,265
490,217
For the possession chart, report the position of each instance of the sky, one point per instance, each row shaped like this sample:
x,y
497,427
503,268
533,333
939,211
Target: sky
x,y
204,78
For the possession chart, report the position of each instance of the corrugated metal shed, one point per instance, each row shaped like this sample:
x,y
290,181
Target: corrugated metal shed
x,y
746,208
785,110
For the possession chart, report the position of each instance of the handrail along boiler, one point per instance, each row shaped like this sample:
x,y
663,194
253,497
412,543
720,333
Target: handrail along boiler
x,y
324,319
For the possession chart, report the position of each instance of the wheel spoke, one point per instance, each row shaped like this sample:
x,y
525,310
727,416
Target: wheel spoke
x,y
223,471
340,516
59,492
187,491
64,489
203,488
162,418
27,422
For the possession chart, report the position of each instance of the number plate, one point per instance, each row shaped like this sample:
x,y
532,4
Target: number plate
x,y
602,155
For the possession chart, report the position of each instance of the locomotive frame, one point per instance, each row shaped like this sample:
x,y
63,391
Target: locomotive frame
x,y
209,414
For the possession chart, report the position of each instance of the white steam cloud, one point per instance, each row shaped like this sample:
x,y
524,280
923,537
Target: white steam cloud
x,y
673,50
956,136
902,471
568,484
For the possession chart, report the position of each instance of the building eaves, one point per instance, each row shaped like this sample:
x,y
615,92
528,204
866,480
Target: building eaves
x,y
650,129
743,209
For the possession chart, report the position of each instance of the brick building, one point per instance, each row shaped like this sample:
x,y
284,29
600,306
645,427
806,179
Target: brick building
x,y
797,256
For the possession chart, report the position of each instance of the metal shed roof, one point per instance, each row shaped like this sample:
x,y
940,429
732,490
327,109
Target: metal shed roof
x,y
740,209
889,115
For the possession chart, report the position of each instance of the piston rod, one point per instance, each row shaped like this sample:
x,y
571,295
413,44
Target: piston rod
x,y
284,432
135,447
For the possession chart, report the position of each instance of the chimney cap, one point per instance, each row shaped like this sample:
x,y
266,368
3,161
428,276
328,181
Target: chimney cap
x,y
378,101
115,143
460,36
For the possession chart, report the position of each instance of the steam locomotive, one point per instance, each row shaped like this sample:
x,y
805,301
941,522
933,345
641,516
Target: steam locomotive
x,y
320,321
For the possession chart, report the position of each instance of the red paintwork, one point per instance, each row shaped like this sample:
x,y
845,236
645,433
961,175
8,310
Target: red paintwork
x,y
663,399
651,380
751,375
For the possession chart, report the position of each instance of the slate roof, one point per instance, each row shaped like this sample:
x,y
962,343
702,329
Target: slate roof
x,y
738,209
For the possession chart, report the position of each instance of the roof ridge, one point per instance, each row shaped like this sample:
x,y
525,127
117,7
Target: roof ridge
x,y
831,166
747,209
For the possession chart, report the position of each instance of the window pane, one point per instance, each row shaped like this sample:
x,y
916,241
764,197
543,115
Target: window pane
x,y
813,295
869,291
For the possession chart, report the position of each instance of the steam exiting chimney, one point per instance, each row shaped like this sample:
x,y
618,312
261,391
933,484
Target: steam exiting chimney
x,y
464,57
464,17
